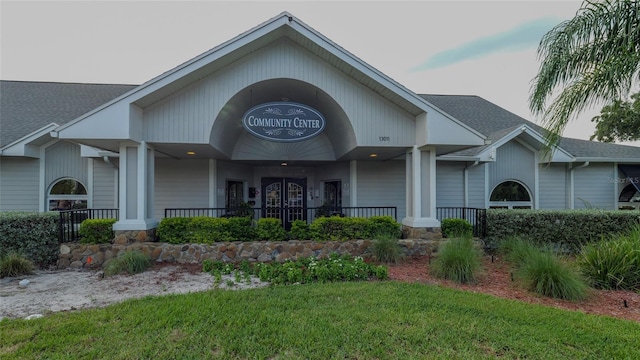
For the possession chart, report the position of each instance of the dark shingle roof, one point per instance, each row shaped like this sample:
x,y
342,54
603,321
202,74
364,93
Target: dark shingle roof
x,y
26,106
496,122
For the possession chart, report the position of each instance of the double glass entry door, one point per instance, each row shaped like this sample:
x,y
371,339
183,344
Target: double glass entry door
x,y
285,199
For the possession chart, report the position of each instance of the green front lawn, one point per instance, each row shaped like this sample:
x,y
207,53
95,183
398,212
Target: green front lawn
x,y
362,320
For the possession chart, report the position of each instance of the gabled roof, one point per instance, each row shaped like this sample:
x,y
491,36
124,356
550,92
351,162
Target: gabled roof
x,y
495,122
27,106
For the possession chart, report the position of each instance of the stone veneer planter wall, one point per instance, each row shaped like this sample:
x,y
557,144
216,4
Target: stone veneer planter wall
x,y
75,255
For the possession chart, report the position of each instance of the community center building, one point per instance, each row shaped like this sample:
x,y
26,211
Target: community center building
x,y
283,119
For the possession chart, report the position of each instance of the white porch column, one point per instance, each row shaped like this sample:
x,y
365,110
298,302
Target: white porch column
x,y
136,183
421,189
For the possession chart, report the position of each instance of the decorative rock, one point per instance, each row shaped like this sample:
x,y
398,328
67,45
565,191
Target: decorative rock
x,y
24,282
76,264
64,249
34,316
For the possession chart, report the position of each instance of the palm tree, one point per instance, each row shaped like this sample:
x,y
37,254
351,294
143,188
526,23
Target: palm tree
x,y
594,57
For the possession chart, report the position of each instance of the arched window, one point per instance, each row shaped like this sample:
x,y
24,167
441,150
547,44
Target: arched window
x,y
629,198
67,194
510,195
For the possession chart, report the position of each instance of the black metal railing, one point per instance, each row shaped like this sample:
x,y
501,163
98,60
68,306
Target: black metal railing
x,y
476,217
70,220
286,212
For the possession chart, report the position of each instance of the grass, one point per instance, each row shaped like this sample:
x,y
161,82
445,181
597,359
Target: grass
x,y
362,320
458,260
131,262
543,272
614,262
386,249
14,264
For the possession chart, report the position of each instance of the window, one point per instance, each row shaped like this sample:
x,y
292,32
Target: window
x,y
67,194
510,195
333,194
235,194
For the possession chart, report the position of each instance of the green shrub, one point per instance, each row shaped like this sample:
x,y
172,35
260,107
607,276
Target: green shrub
x,y
613,262
35,235
383,226
386,249
271,229
131,262
241,228
299,230
565,230
458,260
545,274
207,230
452,228
96,231
173,230
310,269
329,228
14,264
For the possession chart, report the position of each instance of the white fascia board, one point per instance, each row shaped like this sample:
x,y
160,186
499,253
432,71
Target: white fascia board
x,y
607,160
559,154
24,146
457,158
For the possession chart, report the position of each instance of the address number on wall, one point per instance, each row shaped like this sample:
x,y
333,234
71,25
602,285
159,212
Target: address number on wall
x,y
384,138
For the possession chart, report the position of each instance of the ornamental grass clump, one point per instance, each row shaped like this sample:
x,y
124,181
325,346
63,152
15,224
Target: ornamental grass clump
x,y
458,260
542,271
14,264
131,262
386,248
613,263
546,274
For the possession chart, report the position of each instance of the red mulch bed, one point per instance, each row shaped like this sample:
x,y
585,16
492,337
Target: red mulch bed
x,y
496,280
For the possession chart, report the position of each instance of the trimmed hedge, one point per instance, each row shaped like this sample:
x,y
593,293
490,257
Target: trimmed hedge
x,y
456,227
565,230
34,235
96,231
207,230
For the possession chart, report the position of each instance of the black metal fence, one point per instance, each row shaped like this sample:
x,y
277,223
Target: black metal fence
x,y
70,221
476,217
286,212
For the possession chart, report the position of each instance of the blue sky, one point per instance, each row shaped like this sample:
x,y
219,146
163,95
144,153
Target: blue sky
x,y
484,48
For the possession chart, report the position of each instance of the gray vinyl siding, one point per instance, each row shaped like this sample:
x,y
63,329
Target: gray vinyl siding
x,y
593,187
104,185
513,162
476,187
188,115
19,186
63,160
382,184
180,184
553,186
450,184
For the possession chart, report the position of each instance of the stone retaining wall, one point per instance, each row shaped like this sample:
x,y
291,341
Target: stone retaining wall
x,y
75,255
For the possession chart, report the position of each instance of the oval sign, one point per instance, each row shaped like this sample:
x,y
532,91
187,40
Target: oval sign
x,y
283,121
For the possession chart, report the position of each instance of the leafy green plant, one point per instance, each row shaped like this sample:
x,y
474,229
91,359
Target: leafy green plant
x,y
173,230
241,228
384,226
547,275
131,262
207,230
452,228
299,230
517,250
271,229
458,260
34,235
14,264
96,231
613,262
386,249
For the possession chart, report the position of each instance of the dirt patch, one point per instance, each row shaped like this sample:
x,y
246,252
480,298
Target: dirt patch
x,y
496,280
53,291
